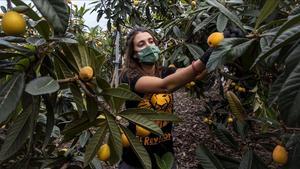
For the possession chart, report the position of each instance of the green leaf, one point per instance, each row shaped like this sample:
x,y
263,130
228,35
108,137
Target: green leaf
x,y
289,98
207,159
42,85
20,8
160,163
138,148
221,22
92,108
294,156
205,23
241,50
275,88
121,93
81,124
36,41
102,83
228,162
287,25
50,120
227,13
224,135
267,9
285,38
246,162
7,55
14,46
94,144
143,122
236,106
10,94
151,114
115,139
21,128
195,50
168,159
220,54
78,98
55,12
29,12
73,62
42,27
65,40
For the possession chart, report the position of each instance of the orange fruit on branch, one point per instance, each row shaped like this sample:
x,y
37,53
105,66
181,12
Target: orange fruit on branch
x,y
86,73
280,155
104,152
140,131
215,39
13,23
125,141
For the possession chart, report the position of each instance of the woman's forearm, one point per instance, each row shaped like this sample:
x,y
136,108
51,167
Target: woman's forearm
x,y
183,76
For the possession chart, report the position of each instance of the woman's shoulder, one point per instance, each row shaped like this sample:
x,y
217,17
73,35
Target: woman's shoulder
x,y
129,74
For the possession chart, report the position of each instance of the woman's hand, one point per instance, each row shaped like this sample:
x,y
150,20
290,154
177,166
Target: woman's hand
x,y
201,75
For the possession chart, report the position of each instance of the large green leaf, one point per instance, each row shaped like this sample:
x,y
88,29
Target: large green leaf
x,y
92,108
151,114
78,98
195,50
224,135
14,46
205,23
240,50
268,8
7,55
81,124
228,162
221,22
275,88
20,129
227,13
294,156
289,98
102,83
142,121
166,161
42,27
223,53
288,24
115,139
235,106
70,61
29,12
50,119
42,85
207,159
10,94
121,93
55,12
247,161
285,38
94,144
138,149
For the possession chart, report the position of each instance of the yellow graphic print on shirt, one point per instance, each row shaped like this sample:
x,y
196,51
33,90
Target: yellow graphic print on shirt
x,y
162,102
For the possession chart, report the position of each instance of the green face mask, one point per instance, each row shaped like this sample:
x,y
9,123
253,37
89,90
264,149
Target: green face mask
x,y
149,55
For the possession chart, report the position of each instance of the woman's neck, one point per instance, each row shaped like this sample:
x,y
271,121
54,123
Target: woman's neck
x,y
148,69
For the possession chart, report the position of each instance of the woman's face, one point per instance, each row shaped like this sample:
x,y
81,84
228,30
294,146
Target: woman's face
x,y
142,40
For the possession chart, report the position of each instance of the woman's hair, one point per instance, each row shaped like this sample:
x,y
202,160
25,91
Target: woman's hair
x,y
132,63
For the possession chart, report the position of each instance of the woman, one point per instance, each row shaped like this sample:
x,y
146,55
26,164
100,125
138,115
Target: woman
x,y
155,85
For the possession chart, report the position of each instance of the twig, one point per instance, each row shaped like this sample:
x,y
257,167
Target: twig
x,y
67,80
83,86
